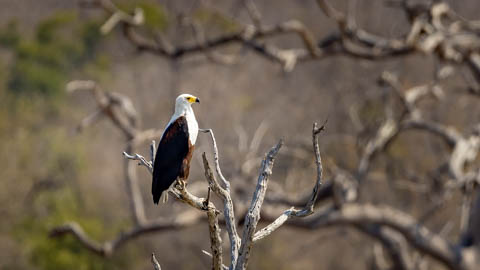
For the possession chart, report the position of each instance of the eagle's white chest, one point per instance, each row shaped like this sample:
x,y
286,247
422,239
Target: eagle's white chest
x,y
192,126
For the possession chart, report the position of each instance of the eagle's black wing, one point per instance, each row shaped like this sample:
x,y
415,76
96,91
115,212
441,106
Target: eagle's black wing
x,y
172,149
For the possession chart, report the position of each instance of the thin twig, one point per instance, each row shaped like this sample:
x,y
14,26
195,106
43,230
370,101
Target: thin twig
x,y
156,265
141,159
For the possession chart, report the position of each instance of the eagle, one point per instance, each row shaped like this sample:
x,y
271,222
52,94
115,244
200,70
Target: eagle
x,y
174,152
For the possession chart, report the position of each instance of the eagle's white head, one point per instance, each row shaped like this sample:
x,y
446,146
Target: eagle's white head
x,y
186,100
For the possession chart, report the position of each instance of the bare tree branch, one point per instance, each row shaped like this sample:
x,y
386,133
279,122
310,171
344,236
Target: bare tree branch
x,y
253,214
141,160
393,243
107,248
224,193
308,208
224,267
418,236
215,239
156,264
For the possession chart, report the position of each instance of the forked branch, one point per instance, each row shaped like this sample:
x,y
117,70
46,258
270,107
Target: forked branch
x,y
308,208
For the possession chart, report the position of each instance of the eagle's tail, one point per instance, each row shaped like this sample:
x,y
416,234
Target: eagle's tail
x,y
164,196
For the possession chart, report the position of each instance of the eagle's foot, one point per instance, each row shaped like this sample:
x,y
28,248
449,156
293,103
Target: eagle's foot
x,y
206,202
205,205
180,185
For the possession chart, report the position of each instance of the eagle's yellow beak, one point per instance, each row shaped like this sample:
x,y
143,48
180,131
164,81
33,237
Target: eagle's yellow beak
x,y
193,99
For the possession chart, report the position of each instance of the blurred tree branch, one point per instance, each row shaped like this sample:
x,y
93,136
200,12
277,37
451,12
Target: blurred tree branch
x,y
457,42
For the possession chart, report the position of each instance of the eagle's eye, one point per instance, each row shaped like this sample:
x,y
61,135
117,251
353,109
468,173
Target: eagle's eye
x,y
188,98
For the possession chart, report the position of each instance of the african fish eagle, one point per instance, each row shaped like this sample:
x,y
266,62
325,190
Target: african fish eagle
x,y
174,152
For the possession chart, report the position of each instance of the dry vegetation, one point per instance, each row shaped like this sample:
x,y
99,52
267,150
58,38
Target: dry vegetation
x,y
398,81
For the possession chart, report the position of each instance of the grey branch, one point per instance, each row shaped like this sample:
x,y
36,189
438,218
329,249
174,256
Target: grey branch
x,y
247,36
216,159
215,239
418,236
253,215
156,264
393,243
224,267
117,107
141,161
308,208
428,33
107,248
228,210
225,194
120,16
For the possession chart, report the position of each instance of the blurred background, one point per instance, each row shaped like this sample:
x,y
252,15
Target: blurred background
x,y
51,172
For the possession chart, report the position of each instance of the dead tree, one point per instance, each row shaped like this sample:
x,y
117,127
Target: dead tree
x,y
119,110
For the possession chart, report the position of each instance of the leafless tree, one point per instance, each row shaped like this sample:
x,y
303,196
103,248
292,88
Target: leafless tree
x,y
119,110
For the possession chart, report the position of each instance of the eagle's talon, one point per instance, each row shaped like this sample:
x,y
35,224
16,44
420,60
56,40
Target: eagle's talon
x,y
180,185
205,205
